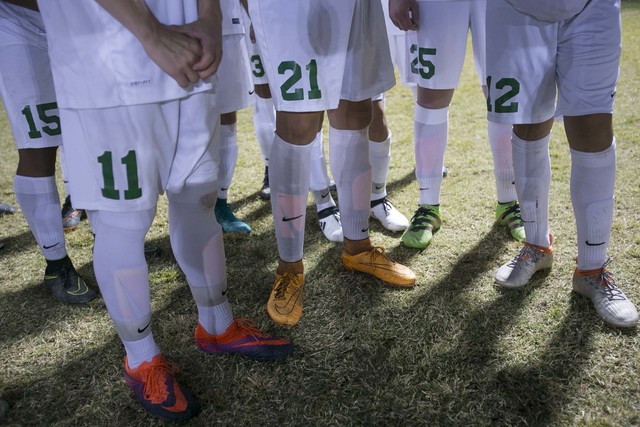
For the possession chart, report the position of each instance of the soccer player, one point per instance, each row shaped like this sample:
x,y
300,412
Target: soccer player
x,y
136,96
535,49
264,124
322,56
435,48
234,93
26,87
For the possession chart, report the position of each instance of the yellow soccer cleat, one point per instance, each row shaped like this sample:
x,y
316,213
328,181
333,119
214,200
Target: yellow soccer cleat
x,y
376,263
285,303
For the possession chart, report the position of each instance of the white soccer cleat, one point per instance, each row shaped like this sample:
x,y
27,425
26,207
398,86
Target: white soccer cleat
x,y
610,302
329,220
517,272
390,217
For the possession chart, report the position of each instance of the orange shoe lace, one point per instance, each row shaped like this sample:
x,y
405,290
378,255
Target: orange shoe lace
x,y
155,388
282,284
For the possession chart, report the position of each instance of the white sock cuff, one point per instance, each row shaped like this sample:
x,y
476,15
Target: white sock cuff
x,y
430,116
31,185
534,145
227,131
347,135
382,148
595,160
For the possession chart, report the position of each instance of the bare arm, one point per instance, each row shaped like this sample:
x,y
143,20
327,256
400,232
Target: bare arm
x,y
29,4
174,52
405,14
207,29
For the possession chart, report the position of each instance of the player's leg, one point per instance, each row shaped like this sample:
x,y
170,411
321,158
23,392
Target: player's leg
x,y
588,67
499,136
436,55
228,158
26,86
349,145
380,158
328,213
518,94
264,123
233,90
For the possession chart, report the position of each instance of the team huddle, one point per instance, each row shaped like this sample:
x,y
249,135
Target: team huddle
x,y
146,93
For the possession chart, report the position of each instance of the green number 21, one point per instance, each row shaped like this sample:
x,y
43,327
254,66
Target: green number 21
x,y
131,164
296,75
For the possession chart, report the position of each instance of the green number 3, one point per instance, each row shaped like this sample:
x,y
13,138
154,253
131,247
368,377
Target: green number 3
x,y
290,94
131,164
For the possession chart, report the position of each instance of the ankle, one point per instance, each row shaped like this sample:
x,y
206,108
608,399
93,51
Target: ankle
x,y
353,247
296,267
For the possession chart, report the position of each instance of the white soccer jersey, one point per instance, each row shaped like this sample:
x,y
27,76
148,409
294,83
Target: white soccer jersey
x,y
98,63
232,20
549,10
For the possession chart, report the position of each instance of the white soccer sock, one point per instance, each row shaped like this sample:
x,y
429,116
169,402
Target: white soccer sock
x,y
593,177
196,239
379,157
40,204
349,157
228,158
319,177
63,169
289,180
500,143
122,274
532,169
264,123
142,350
431,131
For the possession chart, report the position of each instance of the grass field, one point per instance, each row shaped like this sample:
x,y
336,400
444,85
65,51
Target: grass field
x,y
455,350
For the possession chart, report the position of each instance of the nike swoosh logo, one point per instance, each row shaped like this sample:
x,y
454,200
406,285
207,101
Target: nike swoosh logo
x,y
224,189
423,189
594,244
324,195
364,230
613,94
224,292
285,219
49,247
81,288
289,305
377,188
145,328
251,92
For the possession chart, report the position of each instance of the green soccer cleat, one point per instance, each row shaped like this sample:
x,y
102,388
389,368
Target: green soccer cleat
x,y
228,221
424,223
508,215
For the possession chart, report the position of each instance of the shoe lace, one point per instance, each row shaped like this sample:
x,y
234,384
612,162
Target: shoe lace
x,y
247,326
604,278
377,252
283,283
526,254
512,215
155,386
423,219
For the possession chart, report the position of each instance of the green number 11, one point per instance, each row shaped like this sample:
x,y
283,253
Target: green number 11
x,y
131,164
